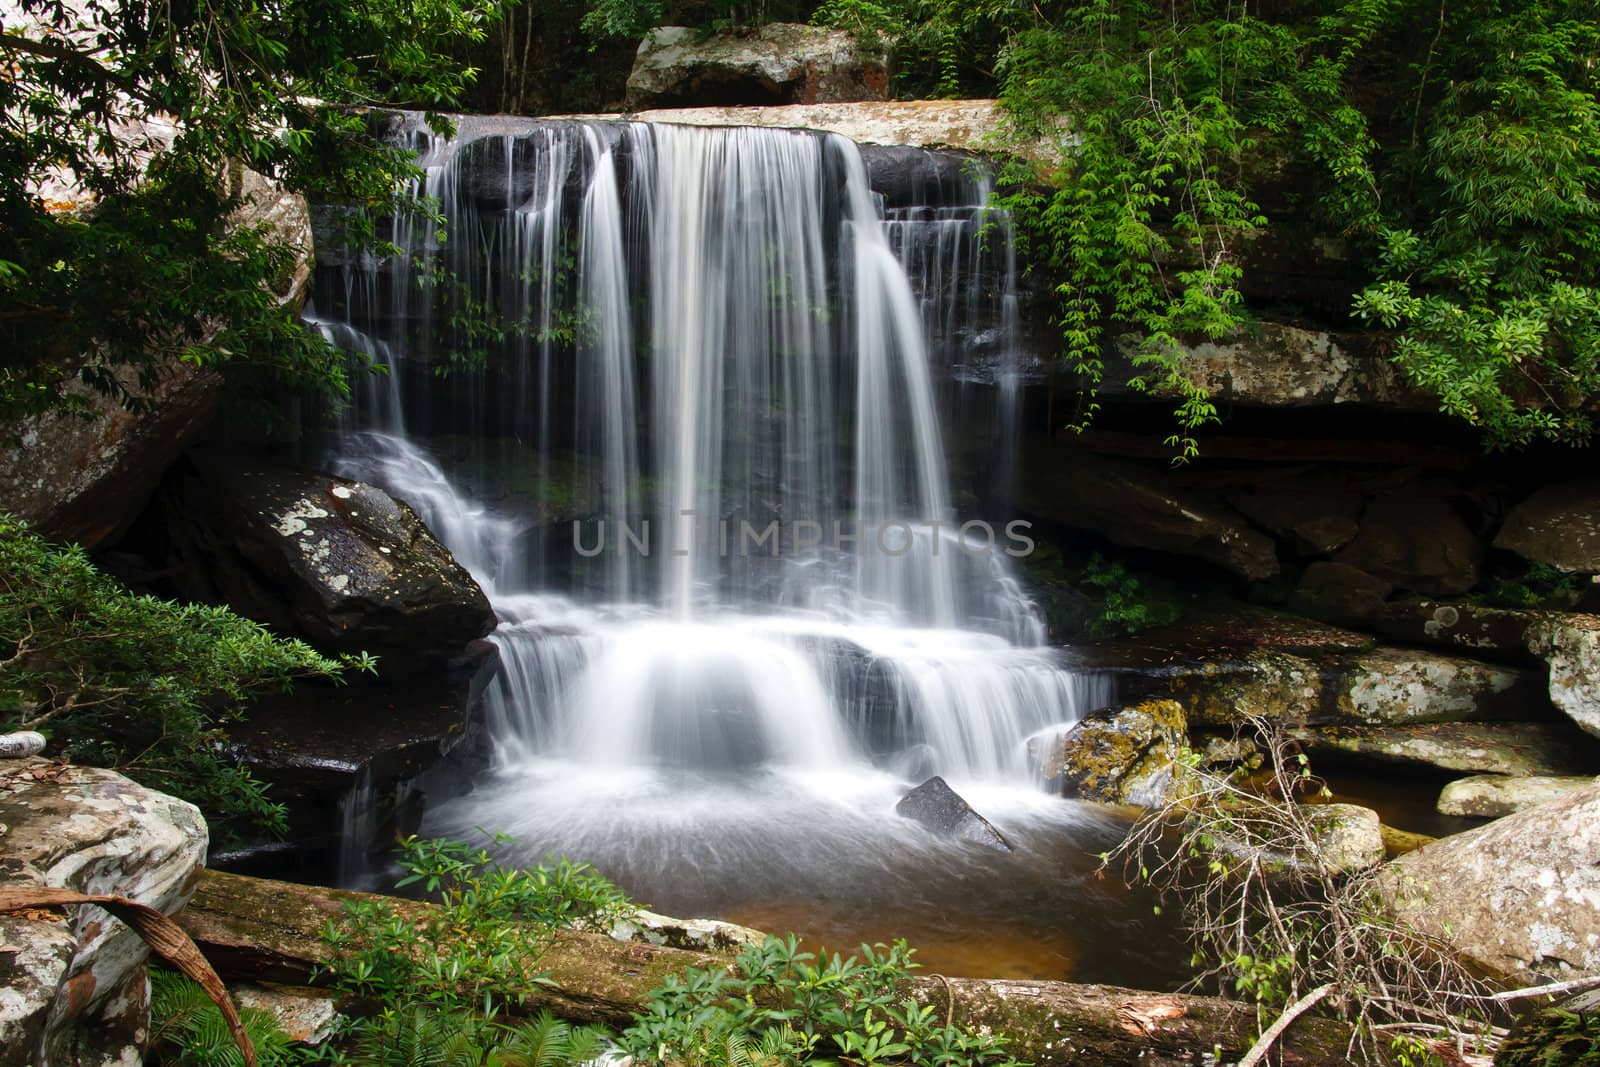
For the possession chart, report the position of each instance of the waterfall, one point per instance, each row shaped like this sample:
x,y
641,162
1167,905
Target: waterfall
x,y
682,400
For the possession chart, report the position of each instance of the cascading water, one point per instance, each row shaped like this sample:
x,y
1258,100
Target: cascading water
x,y
702,475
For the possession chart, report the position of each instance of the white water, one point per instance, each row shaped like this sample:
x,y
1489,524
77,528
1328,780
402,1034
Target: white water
x,y
715,323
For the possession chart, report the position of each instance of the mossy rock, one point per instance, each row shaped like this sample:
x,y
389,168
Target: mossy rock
x,y
1119,755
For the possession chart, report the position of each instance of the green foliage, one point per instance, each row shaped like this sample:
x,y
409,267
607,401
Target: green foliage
x,y
187,1029
136,683
622,18
1552,1037
942,48
483,943
781,1006
1472,167
1538,585
1123,607
418,1037
132,265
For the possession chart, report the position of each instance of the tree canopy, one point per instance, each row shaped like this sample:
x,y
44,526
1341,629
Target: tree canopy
x,y
119,120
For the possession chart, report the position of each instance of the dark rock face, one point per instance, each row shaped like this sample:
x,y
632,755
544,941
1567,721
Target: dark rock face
x,y
1418,543
1340,594
1120,755
339,563
1140,507
1558,526
941,809
780,63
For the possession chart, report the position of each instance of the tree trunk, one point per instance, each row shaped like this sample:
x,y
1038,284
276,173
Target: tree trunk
x,y
256,929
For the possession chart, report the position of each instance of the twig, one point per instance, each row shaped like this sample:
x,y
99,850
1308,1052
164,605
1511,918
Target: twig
x,y
1258,1051
1569,986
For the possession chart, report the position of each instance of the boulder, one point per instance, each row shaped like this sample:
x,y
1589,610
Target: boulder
x,y
1492,796
1382,686
1558,526
1349,838
1459,626
1519,897
79,994
339,563
941,809
86,480
694,935
308,1016
1314,521
778,63
1417,543
1570,644
1340,594
1139,506
1513,748
1119,755
1272,365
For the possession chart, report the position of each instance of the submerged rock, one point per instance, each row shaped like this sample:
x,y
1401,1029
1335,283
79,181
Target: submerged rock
x,y
1519,897
339,563
941,809
1558,526
1512,748
77,990
1491,796
778,63
1119,755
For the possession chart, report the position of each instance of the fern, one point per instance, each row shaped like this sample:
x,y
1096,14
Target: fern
x,y
183,1020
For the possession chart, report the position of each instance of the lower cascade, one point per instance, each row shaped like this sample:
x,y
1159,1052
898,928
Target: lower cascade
x,y
692,442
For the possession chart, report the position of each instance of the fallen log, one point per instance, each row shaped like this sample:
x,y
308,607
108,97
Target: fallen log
x,y
262,930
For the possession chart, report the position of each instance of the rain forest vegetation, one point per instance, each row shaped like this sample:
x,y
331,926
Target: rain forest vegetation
x,y
136,683
122,128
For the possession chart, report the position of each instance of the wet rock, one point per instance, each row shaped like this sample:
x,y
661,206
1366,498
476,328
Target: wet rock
x,y
1513,748
1397,842
1340,594
1558,526
1570,644
308,1016
1416,543
1140,507
1519,897
1118,755
86,480
695,935
1491,796
1349,838
941,809
778,63
339,563
92,831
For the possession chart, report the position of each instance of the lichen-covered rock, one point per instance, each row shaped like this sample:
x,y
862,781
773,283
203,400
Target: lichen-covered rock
x,y
1349,838
1418,543
92,831
1519,897
1279,366
1570,644
1119,755
1140,507
1558,526
1380,686
1397,686
33,964
1515,748
695,935
308,1016
1459,626
86,480
779,63
941,809
339,563
1492,796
